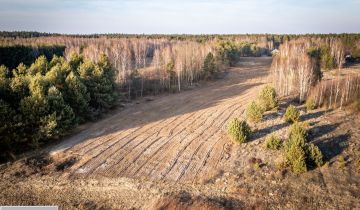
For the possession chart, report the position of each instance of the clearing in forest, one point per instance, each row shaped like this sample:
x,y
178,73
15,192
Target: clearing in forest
x,y
178,137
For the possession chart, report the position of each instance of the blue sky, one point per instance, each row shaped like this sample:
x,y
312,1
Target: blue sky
x,y
185,16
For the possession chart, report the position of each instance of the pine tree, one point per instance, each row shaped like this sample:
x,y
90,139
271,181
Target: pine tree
x,y
77,96
8,127
40,65
75,61
100,83
65,117
4,82
209,67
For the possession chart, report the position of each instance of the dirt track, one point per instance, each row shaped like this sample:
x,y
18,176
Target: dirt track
x,y
180,137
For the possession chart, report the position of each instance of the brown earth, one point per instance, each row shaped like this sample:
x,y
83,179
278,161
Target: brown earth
x,y
180,137
172,152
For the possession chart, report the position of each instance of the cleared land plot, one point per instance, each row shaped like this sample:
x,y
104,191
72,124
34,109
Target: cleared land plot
x,y
180,137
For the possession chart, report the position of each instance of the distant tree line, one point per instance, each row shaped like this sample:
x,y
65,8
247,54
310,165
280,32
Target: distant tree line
x,y
47,99
25,34
349,39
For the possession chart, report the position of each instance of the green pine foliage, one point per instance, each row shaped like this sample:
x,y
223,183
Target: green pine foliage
x,y
229,52
273,142
301,156
209,67
314,156
310,104
77,96
47,99
323,54
239,131
298,133
254,112
267,98
292,114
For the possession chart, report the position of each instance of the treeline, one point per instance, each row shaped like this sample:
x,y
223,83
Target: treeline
x,y
149,66
47,99
25,34
12,55
350,41
278,38
178,37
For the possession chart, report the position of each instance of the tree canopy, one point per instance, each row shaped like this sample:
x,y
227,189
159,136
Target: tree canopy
x,y
45,100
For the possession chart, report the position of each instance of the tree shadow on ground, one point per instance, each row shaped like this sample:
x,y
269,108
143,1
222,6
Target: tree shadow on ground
x,y
333,146
309,116
272,115
321,130
314,132
268,130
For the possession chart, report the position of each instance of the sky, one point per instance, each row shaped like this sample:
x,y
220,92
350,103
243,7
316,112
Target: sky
x,y
181,17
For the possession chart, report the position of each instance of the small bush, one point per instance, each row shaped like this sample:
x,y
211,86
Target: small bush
x,y
292,114
295,157
267,98
342,161
298,132
239,130
310,104
254,112
299,155
273,142
357,163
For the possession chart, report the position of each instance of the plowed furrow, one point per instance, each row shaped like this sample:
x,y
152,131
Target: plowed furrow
x,y
118,151
174,134
170,160
213,159
101,156
126,158
206,139
178,137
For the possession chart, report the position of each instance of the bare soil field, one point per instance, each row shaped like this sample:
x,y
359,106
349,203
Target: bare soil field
x,y
179,137
172,152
